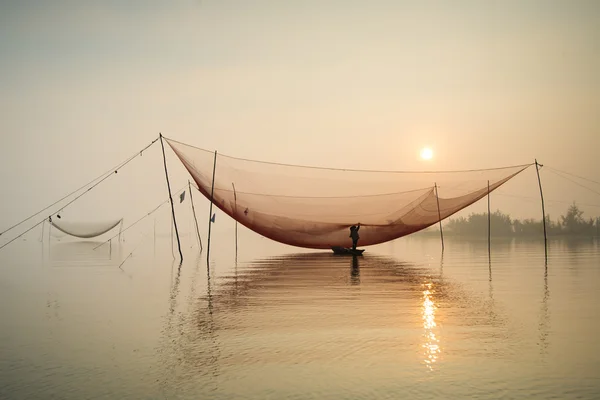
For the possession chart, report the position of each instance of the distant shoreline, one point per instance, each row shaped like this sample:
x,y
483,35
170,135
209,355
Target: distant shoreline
x,y
570,225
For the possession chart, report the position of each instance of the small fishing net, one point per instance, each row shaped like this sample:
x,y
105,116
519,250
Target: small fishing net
x,y
85,229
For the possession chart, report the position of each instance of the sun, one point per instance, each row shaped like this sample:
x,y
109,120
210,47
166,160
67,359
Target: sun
x,y
426,153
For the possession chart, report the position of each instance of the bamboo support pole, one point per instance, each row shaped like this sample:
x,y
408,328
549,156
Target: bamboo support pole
x,y
236,223
489,223
194,212
537,170
439,215
212,192
171,197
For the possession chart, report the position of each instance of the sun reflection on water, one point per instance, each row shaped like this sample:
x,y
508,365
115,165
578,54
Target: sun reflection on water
x,y
431,344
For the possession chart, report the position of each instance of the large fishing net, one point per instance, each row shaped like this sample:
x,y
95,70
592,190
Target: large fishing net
x,y
315,207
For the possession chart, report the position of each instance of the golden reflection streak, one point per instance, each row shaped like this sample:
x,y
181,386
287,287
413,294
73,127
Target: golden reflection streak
x,y
431,344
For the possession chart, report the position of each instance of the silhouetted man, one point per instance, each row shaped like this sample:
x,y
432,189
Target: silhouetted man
x,y
354,235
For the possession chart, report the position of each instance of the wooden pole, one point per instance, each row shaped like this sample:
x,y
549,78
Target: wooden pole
x,y
439,215
489,224
194,212
236,223
170,197
212,192
537,169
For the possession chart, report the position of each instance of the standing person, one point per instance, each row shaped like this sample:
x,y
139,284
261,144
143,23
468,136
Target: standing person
x,y
354,235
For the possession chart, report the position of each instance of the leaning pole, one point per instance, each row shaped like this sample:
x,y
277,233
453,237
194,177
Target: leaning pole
x,y
170,197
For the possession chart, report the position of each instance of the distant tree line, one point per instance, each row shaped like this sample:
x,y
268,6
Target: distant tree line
x,y
571,224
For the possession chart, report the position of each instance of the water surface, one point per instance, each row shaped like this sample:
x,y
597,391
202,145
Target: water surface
x,y
403,321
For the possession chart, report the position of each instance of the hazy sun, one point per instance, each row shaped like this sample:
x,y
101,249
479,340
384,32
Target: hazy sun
x,y
426,153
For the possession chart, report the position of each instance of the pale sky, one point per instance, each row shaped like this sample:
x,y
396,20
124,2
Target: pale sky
x,y
359,84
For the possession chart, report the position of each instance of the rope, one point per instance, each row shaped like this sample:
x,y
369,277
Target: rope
x,y
147,215
547,200
575,182
91,187
66,205
576,176
349,169
134,249
108,173
151,212
325,197
13,239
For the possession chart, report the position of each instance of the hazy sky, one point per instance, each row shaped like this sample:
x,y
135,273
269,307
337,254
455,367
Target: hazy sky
x,y
362,84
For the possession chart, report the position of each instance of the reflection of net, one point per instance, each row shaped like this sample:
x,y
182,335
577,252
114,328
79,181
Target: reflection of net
x,y
314,207
85,230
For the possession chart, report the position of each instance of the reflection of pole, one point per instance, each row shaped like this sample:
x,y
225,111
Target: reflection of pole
x,y
171,237
236,223
212,192
42,234
49,237
170,197
544,317
209,296
194,212
489,225
439,215
537,169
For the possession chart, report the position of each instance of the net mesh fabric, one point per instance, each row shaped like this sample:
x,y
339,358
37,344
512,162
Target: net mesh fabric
x,y
85,230
315,207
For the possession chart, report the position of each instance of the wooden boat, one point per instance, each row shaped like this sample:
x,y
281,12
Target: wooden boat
x,y
347,251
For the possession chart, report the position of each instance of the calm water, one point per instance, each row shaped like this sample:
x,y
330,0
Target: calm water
x,y
400,322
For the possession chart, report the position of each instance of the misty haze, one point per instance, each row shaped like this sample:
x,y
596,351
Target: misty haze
x,y
292,200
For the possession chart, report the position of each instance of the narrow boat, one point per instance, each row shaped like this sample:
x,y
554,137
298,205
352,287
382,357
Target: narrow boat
x,y
347,251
